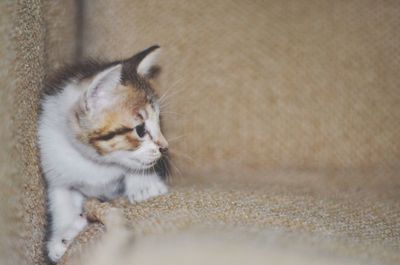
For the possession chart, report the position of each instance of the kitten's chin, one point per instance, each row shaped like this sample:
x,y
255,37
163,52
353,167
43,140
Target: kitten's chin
x,y
136,164
128,161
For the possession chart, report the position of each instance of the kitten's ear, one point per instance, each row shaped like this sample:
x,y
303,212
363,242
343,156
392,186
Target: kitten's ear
x,y
144,63
149,61
99,94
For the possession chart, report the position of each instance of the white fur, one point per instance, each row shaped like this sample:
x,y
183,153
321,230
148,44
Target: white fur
x,y
141,188
99,93
75,171
148,62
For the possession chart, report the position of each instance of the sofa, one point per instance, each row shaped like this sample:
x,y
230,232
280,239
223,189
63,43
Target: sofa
x,y
283,119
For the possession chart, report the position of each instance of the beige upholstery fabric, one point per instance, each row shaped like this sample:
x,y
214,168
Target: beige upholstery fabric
x,y
285,115
209,247
356,221
294,84
298,96
33,35
9,183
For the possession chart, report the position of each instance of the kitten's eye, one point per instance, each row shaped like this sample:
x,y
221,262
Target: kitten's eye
x,y
140,130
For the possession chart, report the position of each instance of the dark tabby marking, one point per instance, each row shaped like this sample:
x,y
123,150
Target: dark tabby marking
x,y
80,71
90,67
112,134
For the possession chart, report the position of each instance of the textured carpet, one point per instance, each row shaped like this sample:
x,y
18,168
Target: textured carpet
x,y
40,37
119,246
10,186
359,224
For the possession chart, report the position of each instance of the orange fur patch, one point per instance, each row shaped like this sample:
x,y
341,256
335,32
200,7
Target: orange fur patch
x,y
134,142
122,114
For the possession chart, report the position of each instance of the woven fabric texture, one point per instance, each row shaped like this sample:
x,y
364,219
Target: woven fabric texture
x,y
267,84
360,222
281,115
38,35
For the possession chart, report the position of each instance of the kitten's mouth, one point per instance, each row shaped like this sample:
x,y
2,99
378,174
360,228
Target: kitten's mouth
x,y
147,165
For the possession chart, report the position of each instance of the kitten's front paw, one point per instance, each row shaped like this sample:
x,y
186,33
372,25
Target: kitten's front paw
x,y
141,188
56,248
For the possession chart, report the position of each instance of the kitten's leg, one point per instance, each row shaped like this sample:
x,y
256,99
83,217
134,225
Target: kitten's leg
x,y
142,187
65,208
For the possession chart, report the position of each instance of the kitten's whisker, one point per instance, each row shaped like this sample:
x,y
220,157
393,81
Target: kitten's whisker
x,y
177,81
162,98
172,112
167,168
177,169
153,168
168,95
176,137
163,106
166,113
167,92
174,152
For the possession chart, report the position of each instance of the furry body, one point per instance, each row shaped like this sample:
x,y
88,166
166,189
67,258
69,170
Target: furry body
x,y
99,136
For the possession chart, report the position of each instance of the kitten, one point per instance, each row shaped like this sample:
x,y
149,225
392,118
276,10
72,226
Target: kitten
x,y
99,136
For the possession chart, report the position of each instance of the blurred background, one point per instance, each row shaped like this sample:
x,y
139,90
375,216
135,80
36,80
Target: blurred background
x,y
265,84
280,114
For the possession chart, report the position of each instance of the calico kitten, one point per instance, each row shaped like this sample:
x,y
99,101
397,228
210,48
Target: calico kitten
x,y
99,136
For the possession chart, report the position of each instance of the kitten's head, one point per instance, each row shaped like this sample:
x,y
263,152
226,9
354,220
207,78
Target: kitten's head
x,y
118,115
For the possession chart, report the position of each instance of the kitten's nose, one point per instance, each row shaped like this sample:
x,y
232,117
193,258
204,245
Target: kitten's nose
x,y
162,143
163,150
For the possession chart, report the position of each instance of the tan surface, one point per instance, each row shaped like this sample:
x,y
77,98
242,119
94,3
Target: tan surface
x,y
289,110
267,84
300,97
201,246
8,167
35,37
357,221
